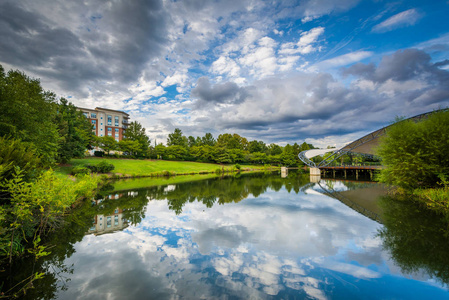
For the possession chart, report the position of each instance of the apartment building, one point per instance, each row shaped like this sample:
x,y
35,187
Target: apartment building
x,y
107,122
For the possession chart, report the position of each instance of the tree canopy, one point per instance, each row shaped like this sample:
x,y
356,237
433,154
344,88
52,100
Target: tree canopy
x,y
415,154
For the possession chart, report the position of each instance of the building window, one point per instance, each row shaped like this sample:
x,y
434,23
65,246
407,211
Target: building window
x,y
94,121
109,120
101,124
93,116
116,121
109,222
109,129
115,220
86,114
116,135
109,133
116,129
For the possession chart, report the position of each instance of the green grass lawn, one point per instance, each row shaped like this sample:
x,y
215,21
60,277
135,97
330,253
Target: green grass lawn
x,y
136,183
136,167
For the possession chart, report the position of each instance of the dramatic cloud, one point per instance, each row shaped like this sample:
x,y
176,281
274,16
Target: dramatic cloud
x,y
265,70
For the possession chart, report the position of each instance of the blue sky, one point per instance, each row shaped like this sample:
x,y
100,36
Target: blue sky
x,y
321,71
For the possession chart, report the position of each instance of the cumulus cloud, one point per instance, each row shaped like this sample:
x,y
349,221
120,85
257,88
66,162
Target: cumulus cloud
x,y
227,92
312,106
402,19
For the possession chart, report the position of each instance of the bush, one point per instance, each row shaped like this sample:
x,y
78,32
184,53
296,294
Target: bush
x,y
102,167
80,170
99,153
17,154
414,154
238,167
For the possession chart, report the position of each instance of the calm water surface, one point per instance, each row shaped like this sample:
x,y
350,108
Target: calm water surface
x,y
256,236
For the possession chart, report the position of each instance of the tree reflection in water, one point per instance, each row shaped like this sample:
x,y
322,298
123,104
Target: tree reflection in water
x,y
417,238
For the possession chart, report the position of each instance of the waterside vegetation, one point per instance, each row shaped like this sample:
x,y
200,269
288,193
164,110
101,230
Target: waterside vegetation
x,y
415,157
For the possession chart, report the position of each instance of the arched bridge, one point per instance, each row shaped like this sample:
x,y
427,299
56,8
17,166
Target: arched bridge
x,y
364,146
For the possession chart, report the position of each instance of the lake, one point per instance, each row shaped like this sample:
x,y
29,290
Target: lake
x,y
250,236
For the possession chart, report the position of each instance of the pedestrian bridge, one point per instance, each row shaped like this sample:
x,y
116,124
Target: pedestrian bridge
x,y
364,146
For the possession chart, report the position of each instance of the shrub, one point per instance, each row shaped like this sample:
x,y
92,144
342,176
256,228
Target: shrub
x,y
102,167
80,170
99,153
17,154
414,154
238,167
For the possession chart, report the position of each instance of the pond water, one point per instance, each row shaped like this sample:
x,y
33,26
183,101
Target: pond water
x,y
254,236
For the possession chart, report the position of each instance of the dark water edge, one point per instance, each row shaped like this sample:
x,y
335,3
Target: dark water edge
x,y
254,236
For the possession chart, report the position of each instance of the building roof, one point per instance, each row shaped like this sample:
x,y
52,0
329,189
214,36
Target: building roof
x,y
119,111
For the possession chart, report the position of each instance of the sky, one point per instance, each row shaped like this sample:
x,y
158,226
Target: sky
x,y
321,71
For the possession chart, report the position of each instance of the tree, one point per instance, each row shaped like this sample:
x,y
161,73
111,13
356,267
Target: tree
x,y
27,112
274,149
177,139
191,141
107,143
135,132
288,157
208,139
129,146
416,154
75,132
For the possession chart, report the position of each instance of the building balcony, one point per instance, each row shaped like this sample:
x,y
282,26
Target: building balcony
x,y
124,126
125,121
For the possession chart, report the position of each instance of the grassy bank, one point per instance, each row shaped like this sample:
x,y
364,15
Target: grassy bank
x,y
142,168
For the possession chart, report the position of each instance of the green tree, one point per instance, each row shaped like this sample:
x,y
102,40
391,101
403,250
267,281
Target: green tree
x,y
27,112
136,132
415,154
75,132
107,143
191,141
177,139
208,139
274,149
160,151
288,157
129,146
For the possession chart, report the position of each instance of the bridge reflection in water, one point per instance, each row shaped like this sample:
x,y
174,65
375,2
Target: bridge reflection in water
x,y
363,199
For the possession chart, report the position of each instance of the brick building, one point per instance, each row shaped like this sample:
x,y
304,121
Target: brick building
x,y
107,122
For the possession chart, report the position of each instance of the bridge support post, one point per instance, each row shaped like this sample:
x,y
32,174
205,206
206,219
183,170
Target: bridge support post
x,y
345,173
357,174
315,175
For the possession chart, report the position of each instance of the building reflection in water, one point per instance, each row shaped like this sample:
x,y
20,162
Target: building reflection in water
x,y
102,224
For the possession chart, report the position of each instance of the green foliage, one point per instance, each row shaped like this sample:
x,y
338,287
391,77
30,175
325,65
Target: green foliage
x,y
80,170
99,153
288,157
416,154
101,167
75,132
107,143
27,112
17,154
37,207
136,142
177,139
